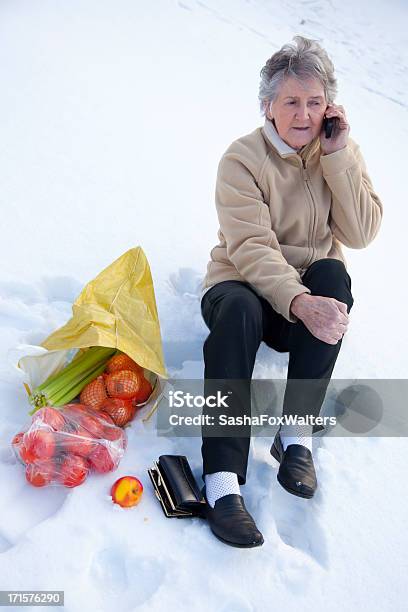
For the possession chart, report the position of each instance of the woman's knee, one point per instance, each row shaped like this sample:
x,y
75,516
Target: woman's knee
x,y
235,335
329,277
237,312
242,307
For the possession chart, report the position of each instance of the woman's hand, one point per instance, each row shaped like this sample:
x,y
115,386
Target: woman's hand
x,y
339,137
325,317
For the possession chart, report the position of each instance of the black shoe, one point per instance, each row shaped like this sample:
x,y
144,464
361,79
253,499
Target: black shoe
x,y
231,522
296,472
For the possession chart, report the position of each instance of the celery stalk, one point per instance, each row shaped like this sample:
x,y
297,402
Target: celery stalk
x,y
86,360
77,359
60,385
73,382
71,390
66,377
65,399
52,398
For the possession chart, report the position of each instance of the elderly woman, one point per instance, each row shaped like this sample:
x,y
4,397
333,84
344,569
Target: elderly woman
x,y
287,197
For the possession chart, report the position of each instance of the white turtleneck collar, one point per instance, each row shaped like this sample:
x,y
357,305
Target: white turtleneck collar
x,y
272,134
280,145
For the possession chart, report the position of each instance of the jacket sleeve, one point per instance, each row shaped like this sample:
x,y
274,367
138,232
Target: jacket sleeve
x,y
252,245
356,210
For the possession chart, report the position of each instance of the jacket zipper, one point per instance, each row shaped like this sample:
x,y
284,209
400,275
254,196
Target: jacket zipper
x,y
306,178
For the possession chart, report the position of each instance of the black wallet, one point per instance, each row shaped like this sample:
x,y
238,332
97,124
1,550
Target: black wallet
x,y
176,488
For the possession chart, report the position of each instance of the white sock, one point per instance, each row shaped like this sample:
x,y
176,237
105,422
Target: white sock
x,y
296,434
219,484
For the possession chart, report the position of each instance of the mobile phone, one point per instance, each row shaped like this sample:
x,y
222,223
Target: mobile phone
x,y
328,125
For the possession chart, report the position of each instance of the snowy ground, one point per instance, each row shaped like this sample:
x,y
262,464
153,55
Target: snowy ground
x,y
115,115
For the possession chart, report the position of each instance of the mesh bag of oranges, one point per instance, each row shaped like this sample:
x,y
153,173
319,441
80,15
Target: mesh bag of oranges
x,y
61,447
119,391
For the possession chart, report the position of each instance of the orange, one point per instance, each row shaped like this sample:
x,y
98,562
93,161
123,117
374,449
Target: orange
x,y
122,362
125,384
121,410
94,393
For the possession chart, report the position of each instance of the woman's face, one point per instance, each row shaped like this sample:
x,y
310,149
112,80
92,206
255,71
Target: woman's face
x,y
299,104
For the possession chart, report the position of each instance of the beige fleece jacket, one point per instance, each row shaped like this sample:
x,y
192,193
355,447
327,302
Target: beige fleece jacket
x,y
280,210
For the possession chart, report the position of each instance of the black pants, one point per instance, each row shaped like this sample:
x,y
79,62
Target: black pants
x,y
239,320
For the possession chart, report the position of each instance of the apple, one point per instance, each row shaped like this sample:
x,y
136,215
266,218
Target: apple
x,y
101,459
115,434
51,417
38,444
94,426
79,442
74,470
19,448
106,417
127,491
42,473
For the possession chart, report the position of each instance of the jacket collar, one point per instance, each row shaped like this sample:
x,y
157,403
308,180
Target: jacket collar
x,y
284,150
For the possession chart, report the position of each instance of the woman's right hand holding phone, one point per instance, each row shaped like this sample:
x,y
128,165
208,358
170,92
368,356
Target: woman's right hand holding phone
x,y
339,138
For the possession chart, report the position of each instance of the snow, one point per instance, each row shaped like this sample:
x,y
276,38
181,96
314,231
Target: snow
x,y
115,115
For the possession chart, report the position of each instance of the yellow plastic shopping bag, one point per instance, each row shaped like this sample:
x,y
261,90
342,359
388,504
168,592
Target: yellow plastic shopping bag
x,y
118,310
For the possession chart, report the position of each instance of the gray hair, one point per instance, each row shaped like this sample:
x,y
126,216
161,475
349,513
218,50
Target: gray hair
x,y
303,60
